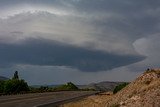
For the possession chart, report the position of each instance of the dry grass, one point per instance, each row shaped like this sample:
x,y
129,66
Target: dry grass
x,y
91,101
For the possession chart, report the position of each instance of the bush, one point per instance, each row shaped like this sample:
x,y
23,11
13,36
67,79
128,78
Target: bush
x,y
2,86
87,89
14,86
41,89
119,87
115,105
66,87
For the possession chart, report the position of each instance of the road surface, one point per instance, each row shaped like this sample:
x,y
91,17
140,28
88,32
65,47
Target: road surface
x,y
42,99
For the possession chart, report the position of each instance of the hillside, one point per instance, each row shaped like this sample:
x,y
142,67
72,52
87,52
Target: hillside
x,y
143,92
101,86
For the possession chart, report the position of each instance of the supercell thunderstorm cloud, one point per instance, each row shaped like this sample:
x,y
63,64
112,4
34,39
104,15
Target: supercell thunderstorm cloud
x,y
55,41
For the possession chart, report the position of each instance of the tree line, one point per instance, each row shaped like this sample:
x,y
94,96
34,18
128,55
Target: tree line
x,y
15,85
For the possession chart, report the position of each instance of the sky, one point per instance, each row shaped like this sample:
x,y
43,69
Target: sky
x,y
82,41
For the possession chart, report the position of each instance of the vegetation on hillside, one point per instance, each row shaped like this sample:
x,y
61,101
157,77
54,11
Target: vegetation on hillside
x,y
66,87
119,87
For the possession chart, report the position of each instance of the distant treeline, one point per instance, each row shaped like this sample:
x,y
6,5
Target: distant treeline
x,y
19,86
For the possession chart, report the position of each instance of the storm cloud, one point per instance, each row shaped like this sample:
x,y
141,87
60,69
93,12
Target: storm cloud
x,y
80,35
52,53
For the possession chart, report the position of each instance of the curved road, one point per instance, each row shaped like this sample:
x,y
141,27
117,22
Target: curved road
x,y
42,99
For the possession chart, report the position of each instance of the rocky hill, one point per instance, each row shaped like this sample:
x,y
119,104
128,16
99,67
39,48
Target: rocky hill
x,y
143,92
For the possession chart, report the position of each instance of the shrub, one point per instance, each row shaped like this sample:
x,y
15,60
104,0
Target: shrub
x,y
14,86
66,87
2,86
119,87
115,105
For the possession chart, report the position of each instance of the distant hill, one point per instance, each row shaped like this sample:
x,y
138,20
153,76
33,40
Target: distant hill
x,y
101,86
3,78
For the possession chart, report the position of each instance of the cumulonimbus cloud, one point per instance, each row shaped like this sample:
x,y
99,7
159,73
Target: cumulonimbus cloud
x,y
107,30
52,53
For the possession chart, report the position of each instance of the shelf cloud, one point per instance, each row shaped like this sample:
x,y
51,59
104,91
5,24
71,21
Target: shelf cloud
x,y
52,53
97,36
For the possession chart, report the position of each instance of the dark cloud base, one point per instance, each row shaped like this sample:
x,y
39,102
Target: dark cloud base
x,y
52,53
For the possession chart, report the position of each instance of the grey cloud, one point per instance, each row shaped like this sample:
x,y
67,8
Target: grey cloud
x,y
150,47
130,19
107,25
45,52
120,29
69,29
110,25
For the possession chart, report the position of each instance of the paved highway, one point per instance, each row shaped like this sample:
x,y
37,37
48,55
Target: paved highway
x,y
41,99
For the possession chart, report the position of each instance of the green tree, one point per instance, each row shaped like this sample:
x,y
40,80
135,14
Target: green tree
x,y
14,86
69,86
15,75
2,86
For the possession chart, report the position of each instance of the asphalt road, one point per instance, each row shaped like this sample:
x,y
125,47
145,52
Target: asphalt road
x,y
42,99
